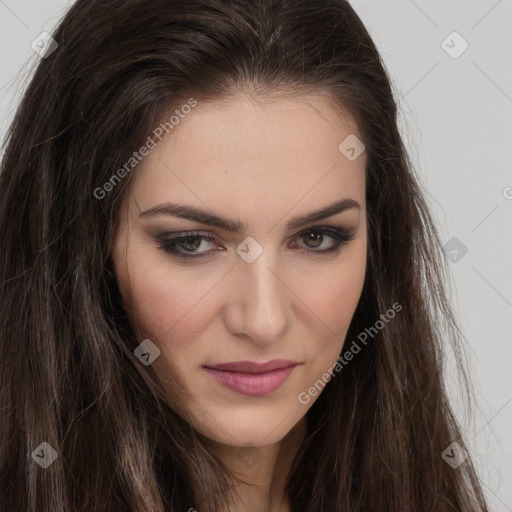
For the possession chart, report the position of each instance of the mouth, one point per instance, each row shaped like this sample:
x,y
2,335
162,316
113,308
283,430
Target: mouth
x,y
252,378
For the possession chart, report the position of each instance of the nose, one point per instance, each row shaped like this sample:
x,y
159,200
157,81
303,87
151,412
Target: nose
x,y
260,305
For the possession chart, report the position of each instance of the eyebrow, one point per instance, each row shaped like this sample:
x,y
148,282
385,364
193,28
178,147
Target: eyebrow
x,y
236,226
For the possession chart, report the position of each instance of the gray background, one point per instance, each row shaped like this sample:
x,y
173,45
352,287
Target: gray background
x,y
456,118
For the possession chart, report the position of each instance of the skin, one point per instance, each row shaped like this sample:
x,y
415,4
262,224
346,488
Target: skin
x,y
260,161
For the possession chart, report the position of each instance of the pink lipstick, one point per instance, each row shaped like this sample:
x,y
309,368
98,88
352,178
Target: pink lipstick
x,y
252,378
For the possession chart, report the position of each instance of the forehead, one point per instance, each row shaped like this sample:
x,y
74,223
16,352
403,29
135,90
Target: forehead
x,y
250,154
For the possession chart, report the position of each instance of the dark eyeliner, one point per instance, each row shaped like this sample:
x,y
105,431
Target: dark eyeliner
x,y
171,245
340,236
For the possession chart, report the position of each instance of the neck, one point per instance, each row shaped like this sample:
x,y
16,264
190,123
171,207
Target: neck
x,y
264,471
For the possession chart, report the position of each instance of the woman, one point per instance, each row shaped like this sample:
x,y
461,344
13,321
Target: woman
x,y
222,289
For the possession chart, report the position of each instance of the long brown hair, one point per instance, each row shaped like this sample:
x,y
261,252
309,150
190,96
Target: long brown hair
x,y
69,376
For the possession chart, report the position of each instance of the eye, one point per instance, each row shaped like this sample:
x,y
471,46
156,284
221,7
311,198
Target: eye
x,y
186,245
314,238
188,242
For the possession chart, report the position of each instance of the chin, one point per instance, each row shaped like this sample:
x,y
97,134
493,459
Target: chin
x,y
243,430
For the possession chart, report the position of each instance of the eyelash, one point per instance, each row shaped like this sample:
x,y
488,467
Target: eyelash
x,y
170,245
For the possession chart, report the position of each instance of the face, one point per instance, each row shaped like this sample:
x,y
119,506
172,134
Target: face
x,y
247,272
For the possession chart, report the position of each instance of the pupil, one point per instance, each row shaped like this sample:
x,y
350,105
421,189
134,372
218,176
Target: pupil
x,y
317,236
189,242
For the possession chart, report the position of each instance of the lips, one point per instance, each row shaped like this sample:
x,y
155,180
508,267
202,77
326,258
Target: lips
x,y
253,366
251,378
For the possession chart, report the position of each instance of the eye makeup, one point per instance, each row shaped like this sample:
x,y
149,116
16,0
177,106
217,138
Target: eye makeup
x,y
177,245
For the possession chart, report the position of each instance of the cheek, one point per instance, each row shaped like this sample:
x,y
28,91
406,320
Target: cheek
x,y
334,294
341,298
162,296
156,305
333,299
169,306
